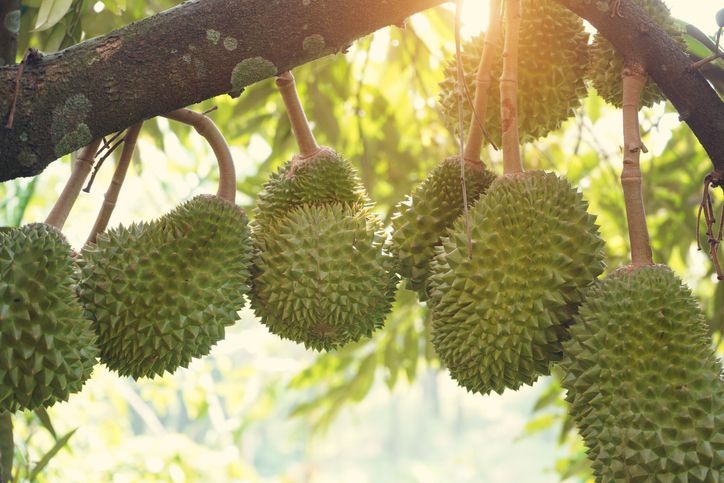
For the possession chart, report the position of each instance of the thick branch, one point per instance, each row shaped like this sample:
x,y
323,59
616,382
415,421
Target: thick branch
x,y
640,40
189,53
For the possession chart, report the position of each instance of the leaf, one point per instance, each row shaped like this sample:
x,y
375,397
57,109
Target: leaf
x,y
7,446
50,13
50,455
117,7
44,418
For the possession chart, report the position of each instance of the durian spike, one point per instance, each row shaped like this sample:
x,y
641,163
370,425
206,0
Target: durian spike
x,y
634,80
79,172
308,146
482,85
509,90
206,128
111,196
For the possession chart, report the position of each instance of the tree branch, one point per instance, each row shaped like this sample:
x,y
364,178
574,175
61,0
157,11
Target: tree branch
x,y
192,52
640,40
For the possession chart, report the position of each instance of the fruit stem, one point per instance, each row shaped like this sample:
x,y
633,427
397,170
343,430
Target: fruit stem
x,y
634,79
82,166
482,86
308,146
509,90
206,128
111,196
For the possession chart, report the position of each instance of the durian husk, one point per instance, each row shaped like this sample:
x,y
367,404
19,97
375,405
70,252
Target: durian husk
x,y
644,385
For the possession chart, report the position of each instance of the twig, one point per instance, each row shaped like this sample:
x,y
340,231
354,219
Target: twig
x,y
111,196
700,63
100,162
509,90
19,75
206,128
706,207
308,146
72,188
108,142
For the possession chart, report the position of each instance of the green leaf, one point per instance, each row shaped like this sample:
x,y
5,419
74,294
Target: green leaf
x,y
50,455
7,446
44,418
51,12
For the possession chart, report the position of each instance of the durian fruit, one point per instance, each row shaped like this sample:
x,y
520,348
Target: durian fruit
x,y
606,64
644,385
322,277
47,348
422,219
554,46
500,312
162,293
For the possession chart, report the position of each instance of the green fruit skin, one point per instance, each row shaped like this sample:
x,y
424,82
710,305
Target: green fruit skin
x,y
321,276
162,293
47,348
500,312
423,218
643,382
324,178
551,80
606,64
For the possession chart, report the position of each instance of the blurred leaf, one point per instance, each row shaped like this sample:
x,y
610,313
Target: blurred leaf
x,y
44,419
51,12
59,444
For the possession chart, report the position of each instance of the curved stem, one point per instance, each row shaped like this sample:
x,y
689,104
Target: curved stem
x,y
111,197
483,81
206,128
308,146
509,90
72,188
634,79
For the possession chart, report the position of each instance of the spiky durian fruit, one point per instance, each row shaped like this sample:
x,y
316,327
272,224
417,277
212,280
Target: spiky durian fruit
x,y
47,347
606,64
500,312
554,44
323,178
643,382
161,293
424,217
321,275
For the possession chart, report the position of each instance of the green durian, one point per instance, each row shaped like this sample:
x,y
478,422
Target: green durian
x,y
553,48
606,66
424,217
162,293
47,347
644,384
321,276
323,178
500,312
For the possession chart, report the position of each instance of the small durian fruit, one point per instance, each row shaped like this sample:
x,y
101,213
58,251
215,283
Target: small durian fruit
x,y
322,277
501,311
423,218
47,347
554,44
162,293
606,64
644,384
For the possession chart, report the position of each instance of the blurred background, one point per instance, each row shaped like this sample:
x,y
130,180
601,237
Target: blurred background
x,y
260,409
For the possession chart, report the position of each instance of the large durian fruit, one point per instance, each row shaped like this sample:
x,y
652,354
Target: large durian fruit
x,y
162,293
423,218
47,347
553,46
606,64
644,384
501,311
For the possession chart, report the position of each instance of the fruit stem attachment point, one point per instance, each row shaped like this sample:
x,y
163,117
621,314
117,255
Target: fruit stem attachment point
x,y
634,80
482,84
82,166
509,90
308,146
111,196
206,128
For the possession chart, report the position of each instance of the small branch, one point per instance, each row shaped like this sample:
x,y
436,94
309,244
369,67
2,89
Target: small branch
x,y
483,81
712,180
509,90
111,197
99,164
206,128
72,188
308,146
701,63
634,80
16,94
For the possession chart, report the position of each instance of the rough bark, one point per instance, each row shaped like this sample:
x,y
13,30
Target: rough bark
x,y
195,51
635,36
9,25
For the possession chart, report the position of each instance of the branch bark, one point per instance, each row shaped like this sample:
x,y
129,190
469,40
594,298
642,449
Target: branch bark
x,y
192,52
638,39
